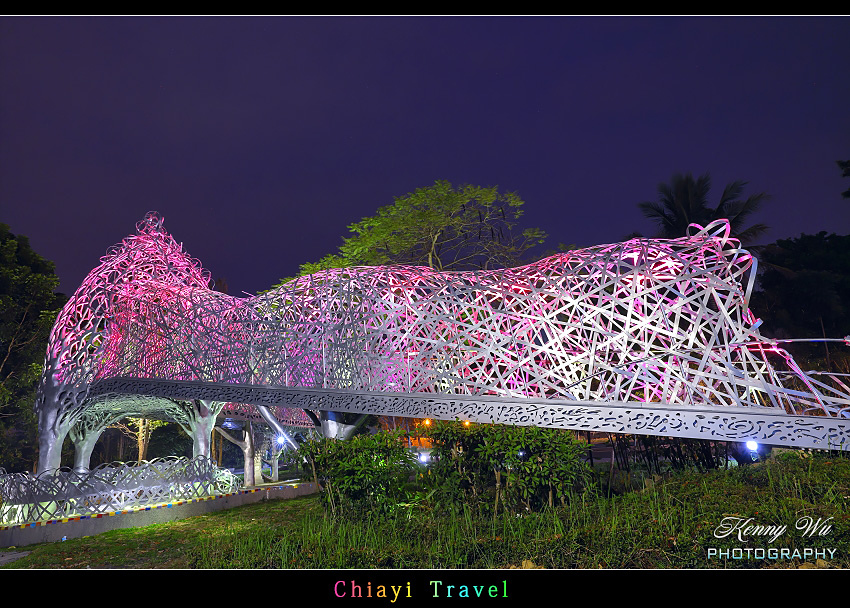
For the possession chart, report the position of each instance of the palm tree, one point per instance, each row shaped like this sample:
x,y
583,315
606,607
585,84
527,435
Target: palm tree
x,y
684,201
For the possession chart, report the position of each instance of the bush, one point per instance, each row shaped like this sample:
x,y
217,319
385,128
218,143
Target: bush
x,y
365,473
521,468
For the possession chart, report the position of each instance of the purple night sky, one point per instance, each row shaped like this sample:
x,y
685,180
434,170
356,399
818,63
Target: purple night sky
x,y
261,139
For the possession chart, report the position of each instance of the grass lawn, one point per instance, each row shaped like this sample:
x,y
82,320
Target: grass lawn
x,y
672,523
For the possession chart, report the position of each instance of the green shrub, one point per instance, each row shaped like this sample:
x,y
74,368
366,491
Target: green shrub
x,y
365,473
517,468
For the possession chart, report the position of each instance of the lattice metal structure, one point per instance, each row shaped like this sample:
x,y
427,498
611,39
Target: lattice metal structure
x,y
110,487
645,336
287,417
74,361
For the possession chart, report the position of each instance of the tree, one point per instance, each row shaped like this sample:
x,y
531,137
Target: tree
x,y
803,290
169,440
844,166
140,430
251,458
28,308
684,201
442,227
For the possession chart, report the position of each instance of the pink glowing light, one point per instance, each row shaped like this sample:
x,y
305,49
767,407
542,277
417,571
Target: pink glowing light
x,y
646,320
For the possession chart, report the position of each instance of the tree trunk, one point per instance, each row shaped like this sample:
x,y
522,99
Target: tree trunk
x,y
202,426
247,445
257,460
248,456
142,440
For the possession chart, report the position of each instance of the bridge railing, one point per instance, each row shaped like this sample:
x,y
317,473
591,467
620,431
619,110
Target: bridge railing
x,y
63,493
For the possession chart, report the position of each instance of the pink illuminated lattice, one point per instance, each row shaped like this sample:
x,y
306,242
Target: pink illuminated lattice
x,y
644,321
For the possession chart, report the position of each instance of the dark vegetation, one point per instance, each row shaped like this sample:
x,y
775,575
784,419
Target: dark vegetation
x,y
28,308
600,517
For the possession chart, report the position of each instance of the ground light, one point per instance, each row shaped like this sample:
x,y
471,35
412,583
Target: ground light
x,y
749,451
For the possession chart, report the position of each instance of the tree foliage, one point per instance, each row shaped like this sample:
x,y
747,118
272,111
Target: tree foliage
x,y
685,200
804,288
366,473
515,468
441,227
140,431
28,308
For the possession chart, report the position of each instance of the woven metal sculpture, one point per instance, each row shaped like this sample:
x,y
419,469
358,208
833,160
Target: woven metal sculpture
x,y
110,487
646,336
286,417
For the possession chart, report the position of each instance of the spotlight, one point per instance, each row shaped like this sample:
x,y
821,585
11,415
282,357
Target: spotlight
x,y
750,451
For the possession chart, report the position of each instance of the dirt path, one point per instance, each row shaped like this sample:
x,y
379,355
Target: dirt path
x,y
10,556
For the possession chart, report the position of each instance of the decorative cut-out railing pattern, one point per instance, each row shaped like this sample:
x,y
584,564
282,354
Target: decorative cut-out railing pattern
x,y
63,493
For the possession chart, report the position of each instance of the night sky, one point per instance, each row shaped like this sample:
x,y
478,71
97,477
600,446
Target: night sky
x,y
261,139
